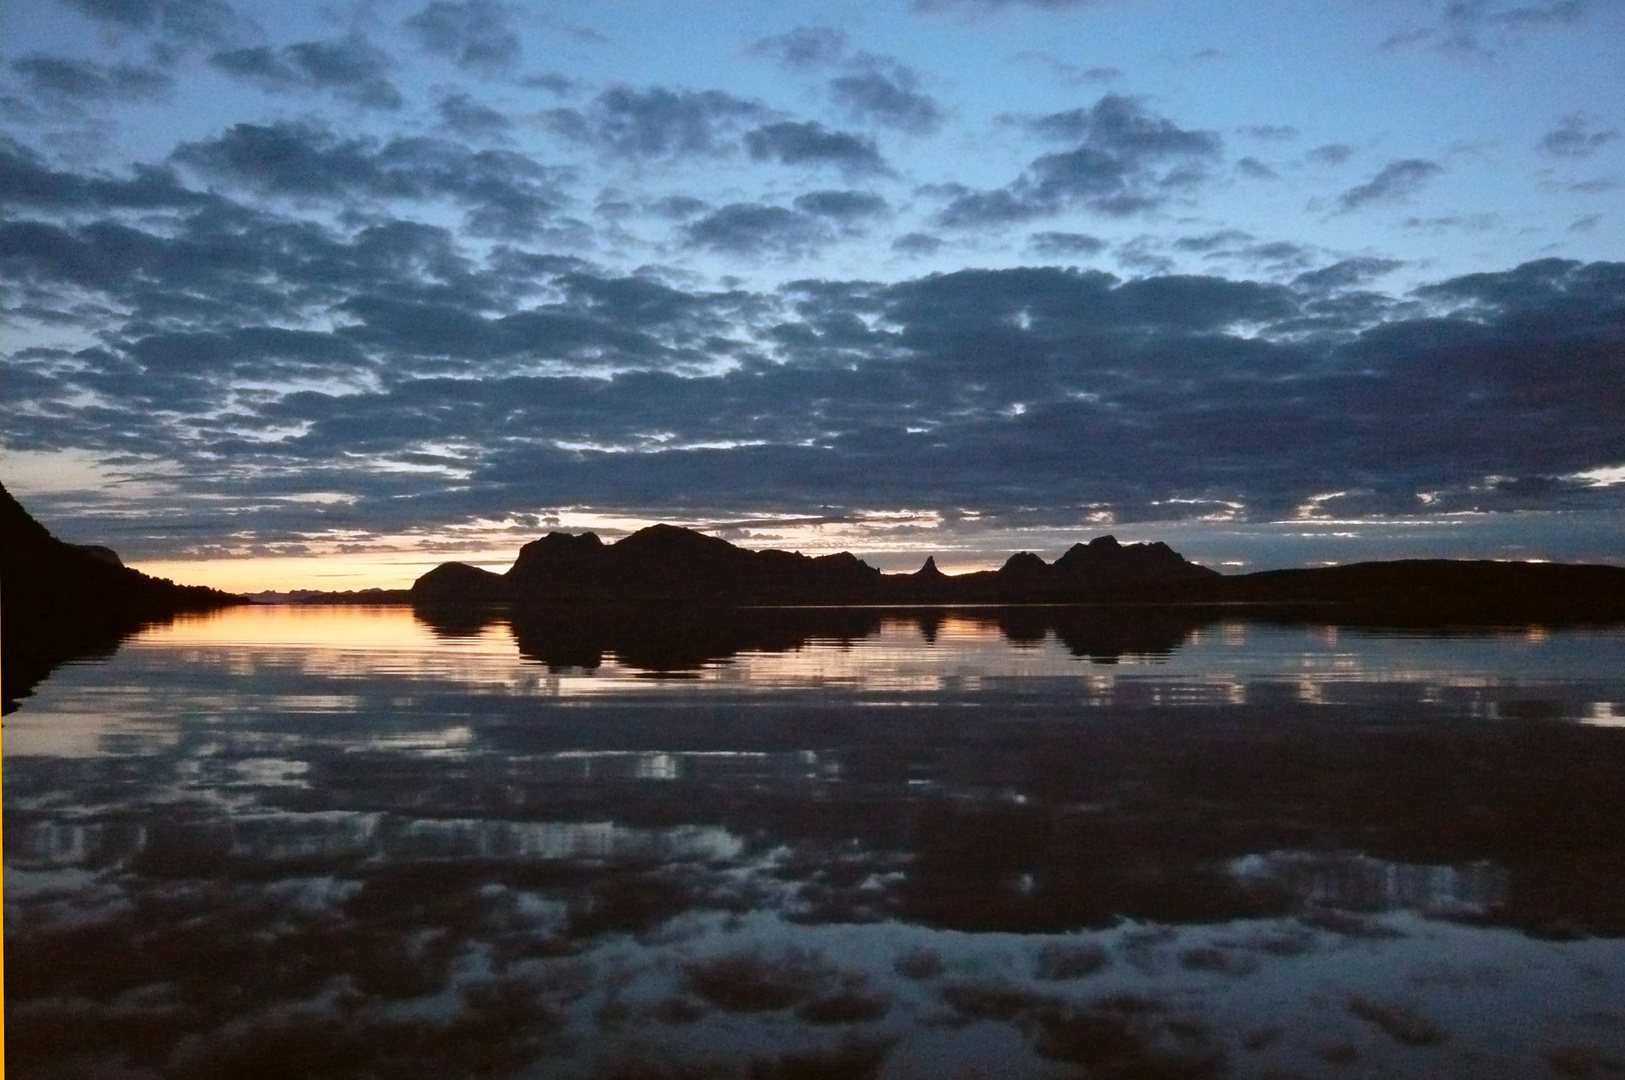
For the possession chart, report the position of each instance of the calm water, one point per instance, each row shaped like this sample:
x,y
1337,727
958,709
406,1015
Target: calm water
x,y
367,843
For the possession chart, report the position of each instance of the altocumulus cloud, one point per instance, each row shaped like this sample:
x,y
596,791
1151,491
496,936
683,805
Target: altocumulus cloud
x,y
477,35
349,68
428,382
1396,182
655,122
1124,161
453,260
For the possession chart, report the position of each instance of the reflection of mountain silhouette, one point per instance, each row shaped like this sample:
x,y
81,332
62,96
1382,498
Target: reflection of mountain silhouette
x,y
1104,635
674,638
71,600
458,620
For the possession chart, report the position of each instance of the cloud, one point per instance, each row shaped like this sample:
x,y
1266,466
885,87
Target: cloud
x,y
792,143
1214,241
1330,154
478,36
1053,244
916,244
758,229
60,82
1256,169
886,92
803,47
1070,74
844,206
1574,137
1272,132
551,81
1120,125
349,68
1396,182
505,193
678,207
464,116
1481,27
558,383
1127,161
1594,187
178,23
1345,274
26,180
655,122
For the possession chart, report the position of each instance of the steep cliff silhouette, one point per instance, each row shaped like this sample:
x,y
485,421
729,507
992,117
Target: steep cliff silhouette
x,y
60,600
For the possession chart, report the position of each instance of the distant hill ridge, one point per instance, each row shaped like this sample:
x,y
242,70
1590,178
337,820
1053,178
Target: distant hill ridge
x,y
668,564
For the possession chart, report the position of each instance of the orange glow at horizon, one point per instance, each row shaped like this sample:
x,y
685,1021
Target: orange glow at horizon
x,y
392,568
341,572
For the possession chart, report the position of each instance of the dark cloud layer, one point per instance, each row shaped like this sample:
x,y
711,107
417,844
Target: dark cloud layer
x,y
177,24
757,229
1396,182
656,122
792,143
66,83
1480,28
804,47
474,288
477,35
261,354
349,68
886,92
1575,137
1126,161
505,193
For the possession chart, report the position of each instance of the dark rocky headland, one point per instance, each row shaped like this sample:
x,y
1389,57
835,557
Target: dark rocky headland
x,y
59,601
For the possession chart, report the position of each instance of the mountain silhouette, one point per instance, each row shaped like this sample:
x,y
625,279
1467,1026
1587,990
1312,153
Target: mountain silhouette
x,y
661,563
665,563
60,600
668,564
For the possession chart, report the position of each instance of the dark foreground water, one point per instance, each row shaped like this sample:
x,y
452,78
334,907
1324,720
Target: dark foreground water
x,y
288,842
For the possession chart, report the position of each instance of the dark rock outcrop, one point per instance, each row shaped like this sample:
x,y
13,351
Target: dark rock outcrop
x,y
60,600
460,583
1103,563
667,563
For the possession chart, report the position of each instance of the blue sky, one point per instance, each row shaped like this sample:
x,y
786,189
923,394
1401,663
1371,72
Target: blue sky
x,y
320,297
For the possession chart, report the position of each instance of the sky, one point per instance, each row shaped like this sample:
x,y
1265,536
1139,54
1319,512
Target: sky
x,y
321,295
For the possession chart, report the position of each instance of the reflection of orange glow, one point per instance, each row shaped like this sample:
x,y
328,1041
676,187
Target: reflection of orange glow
x,y
956,625
274,625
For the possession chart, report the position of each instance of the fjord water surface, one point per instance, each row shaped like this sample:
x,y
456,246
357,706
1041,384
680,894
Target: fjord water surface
x,y
847,842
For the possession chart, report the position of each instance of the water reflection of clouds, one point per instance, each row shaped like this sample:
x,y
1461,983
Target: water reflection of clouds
x,y
228,850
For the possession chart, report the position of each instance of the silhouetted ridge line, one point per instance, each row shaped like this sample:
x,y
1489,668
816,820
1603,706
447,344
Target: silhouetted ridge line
x,y
60,600
665,563
668,564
